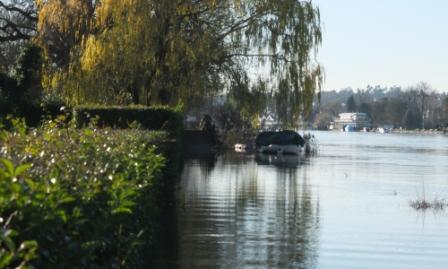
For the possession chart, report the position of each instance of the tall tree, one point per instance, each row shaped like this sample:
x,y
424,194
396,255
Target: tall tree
x,y
63,25
364,108
148,51
22,94
351,104
420,93
445,112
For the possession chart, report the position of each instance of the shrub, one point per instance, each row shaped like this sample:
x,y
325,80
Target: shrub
x,y
7,88
22,94
86,199
53,106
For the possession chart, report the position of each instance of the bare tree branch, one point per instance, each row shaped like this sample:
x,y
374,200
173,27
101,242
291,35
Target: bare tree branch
x,y
25,12
17,20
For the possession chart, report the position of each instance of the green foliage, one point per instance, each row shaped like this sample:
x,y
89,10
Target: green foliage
x,y
8,87
165,52
21,96
26,97
250,101
28,70
13,252
87,199
151,118
284,112
228,118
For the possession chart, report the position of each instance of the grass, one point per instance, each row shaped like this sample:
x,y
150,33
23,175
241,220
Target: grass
x,y
422,204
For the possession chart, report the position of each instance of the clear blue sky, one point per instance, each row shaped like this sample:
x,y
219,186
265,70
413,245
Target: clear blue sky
x,y
384,42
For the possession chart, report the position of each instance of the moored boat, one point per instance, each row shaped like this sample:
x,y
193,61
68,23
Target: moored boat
x,y
283,142
241,147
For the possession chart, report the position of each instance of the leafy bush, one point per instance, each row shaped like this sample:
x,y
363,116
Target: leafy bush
x,y
152,118
85,198
7,88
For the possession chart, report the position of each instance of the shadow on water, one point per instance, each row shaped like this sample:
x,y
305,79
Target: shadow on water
x,y
242,211
205,161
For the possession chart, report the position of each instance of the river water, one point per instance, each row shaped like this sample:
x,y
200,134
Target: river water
x,y
347,207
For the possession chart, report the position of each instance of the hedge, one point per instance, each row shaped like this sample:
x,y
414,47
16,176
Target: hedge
x,y
151,118
79,198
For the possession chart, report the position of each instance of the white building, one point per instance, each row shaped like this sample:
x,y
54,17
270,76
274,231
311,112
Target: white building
x,y
356,121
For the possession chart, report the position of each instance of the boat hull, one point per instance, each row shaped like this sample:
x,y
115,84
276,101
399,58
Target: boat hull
x,y
280,149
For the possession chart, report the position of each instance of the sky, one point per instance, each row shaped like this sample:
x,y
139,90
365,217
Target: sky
x,y
384,42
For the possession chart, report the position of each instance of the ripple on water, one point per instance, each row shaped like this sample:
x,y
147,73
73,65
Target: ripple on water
x,y
346,208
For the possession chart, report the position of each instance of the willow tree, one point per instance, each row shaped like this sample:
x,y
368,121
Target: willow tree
x,y
149,51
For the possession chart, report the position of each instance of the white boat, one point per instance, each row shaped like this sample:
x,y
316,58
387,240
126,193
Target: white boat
x,y
241,147
349,128
384,130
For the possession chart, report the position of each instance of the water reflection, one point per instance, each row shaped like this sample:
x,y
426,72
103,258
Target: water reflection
x,y
346,208
281,161
205,161
246,216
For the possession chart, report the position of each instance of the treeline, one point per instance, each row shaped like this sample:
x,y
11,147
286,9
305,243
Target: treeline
x,y
170,52
415,107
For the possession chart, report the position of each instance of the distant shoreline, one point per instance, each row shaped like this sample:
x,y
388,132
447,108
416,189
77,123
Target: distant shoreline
x,y
421,132
402,131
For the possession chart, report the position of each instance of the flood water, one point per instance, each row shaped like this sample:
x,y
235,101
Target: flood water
x,y
347,207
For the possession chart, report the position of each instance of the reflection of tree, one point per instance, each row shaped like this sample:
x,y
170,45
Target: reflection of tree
x,y
247,215
206,162
280,161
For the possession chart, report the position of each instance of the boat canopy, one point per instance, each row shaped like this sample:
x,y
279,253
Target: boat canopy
x,y
279,138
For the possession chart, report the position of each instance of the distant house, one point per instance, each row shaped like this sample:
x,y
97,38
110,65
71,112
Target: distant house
x,y
356,121
268,123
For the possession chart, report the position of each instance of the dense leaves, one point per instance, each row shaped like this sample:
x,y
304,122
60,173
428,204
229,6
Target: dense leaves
x,y
176,51
151,118
85,201
21,95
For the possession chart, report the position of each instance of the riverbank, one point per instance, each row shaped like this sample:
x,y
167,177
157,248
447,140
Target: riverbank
x,y
83,198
